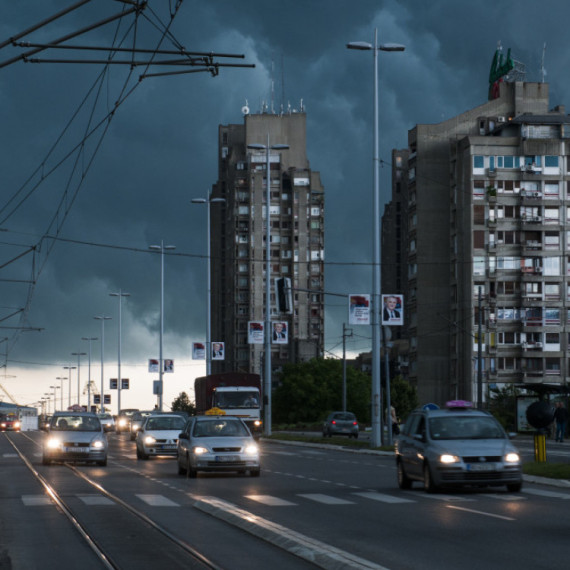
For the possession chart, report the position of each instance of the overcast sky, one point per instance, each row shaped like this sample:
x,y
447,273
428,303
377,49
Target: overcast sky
x,y
109,189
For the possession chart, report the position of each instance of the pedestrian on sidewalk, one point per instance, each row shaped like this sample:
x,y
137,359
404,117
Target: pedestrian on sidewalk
x,y
561,418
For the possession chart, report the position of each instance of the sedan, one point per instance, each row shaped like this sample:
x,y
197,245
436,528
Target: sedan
x,y
107,421
75,436
341,423
137,420
9,422
217,443
158,435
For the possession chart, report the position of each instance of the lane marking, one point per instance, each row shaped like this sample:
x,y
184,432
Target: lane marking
x,y
504,497
383,498
542,493
157,501
271,501
480,513
93,500
36,500
325,499
439,497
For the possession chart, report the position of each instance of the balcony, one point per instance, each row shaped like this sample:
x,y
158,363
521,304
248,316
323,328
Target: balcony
x,y
532,345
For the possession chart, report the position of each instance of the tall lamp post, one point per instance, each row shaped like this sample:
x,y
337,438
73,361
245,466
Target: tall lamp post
x,y
79,355
102,318
54,388
162,248
69,368
61,379
376,284
209,200
267,147
120,295
90,338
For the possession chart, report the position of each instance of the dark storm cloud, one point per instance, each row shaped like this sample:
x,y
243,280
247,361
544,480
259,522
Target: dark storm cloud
x,y
160,149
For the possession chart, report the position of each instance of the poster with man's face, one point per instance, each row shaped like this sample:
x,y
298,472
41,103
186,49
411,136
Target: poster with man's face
x,y
279,333
393,310
218,351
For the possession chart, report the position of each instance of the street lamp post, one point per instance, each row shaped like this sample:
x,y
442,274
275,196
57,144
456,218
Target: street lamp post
x,y
267,147
209,200
54,388
89,371
79,355
120,295
102,318
376,284
162,249
69,368
61,379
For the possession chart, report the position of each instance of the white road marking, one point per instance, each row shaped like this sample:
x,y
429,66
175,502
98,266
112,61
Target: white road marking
x,y
383,498
440,497
36,500
503,497
480,513
325,499
157,501
542,493
93,500
271,501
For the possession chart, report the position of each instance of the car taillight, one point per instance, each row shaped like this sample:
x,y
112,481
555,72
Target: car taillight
x,y
333,422
354,423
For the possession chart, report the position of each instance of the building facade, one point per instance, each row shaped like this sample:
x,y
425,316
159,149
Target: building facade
x,y
488,214
238,241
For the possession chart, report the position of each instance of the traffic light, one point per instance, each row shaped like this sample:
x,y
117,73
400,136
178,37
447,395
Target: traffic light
x,y
283,295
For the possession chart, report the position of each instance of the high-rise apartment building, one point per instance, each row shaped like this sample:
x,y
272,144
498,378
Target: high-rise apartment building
x,y
238,241
488,210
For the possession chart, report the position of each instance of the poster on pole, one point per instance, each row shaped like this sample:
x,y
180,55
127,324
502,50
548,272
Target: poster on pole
x,y
152,365
359,309
255,331
393,310
279,333
198,351
218,351
168,365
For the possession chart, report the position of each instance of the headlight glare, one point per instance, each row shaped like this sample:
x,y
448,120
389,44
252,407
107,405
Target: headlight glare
x,y
448,458
251,449
53,443
97,444
512,457
149,440
200,450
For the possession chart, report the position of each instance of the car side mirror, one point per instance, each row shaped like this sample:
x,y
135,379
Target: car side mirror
x,y
182,435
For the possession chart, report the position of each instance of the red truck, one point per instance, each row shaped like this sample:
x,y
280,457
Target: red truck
x,y
235,393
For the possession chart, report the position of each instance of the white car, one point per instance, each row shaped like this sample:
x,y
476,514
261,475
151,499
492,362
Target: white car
x,y
107,421
217,443
158,435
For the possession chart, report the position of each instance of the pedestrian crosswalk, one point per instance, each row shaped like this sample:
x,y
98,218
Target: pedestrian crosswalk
x,y
329,499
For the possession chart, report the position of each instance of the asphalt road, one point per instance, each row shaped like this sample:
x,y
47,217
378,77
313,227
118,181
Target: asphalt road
x,y
336,508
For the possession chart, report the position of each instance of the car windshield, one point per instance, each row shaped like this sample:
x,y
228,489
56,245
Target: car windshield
x,y
75,423
220,428
457,427
344,416
173,423
239,399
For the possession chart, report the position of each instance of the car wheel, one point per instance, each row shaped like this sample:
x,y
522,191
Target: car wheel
x,y
514,487
429,485
191,473
181,469
255,472
141,454
404,482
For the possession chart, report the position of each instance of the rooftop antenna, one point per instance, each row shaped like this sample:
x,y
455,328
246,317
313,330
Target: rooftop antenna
x,y
272,88
282,81
542,69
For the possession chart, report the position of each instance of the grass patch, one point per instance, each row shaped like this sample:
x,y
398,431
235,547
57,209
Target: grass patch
x,y
552,470
335,440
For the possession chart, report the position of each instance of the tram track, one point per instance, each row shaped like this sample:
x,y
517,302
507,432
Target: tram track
x,y
157,537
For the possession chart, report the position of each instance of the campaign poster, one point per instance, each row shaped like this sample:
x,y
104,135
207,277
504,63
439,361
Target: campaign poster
x,y
359,309
218,351
153,365
168,365
393,310
255,331
279,332
198,351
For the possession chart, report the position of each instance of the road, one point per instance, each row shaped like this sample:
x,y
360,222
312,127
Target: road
x,y
339,509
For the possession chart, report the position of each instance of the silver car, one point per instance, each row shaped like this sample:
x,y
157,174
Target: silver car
x,y
75,436
454,447
107,421
217,443
158,435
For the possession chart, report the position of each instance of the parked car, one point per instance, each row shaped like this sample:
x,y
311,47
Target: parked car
x,y
107,421
341,423
217,443
75,436
136,421
10,422
456,446
123,422
158,435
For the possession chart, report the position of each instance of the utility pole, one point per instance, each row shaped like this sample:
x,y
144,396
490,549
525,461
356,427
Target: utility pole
x,y
345,333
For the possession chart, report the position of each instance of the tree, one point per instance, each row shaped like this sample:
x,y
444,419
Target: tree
x,y
308,391
183,404
503,405
403,396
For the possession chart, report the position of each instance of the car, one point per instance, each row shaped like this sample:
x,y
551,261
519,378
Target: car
x,y
136,421
217,443
75,436
10,422
123,422
107,421
456,447
158,435
341,423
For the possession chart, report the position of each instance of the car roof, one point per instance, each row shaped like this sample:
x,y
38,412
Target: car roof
x,y
72,413
455,412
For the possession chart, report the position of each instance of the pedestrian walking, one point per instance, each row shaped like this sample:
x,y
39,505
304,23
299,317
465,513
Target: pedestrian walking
x,y
561,419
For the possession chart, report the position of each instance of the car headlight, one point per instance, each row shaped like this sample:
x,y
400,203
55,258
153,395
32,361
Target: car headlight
x,y
257,423
97,444
149,440
448,458
16,424
251,449
53,443
200,450
512,457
